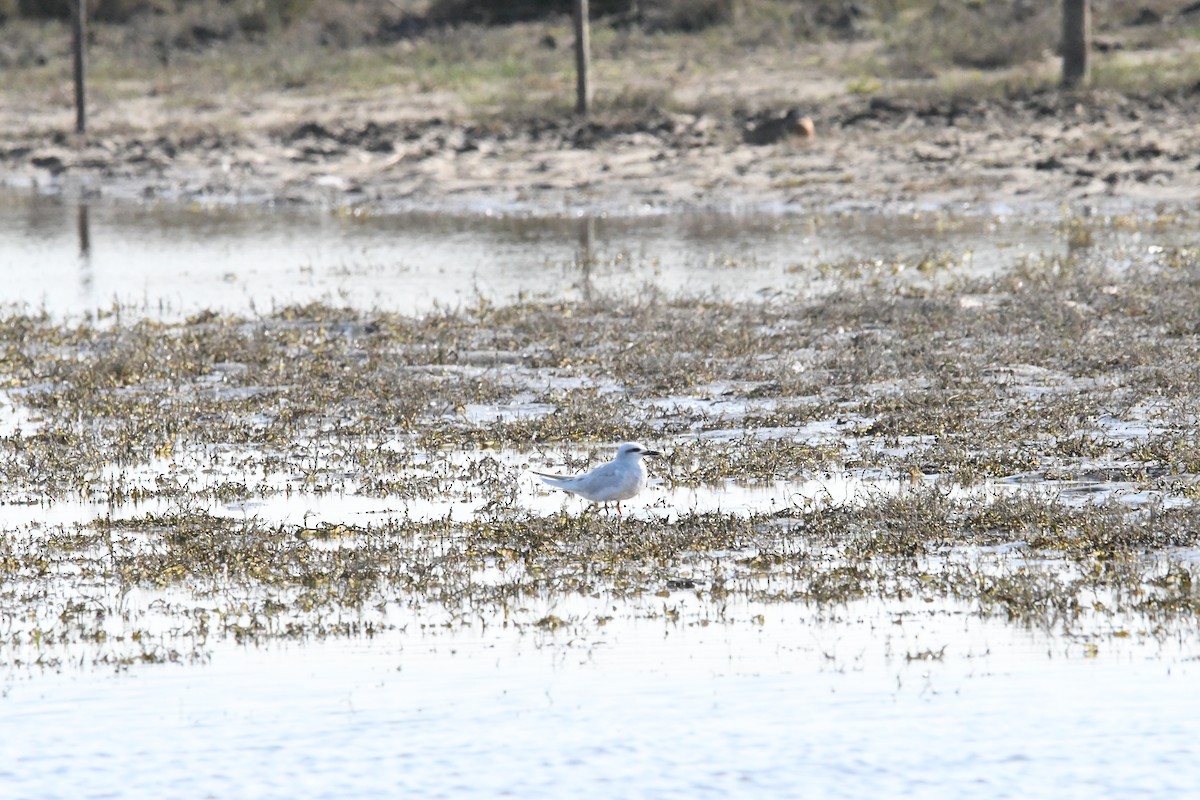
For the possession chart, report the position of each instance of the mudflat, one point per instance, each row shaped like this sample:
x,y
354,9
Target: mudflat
x,y
706,133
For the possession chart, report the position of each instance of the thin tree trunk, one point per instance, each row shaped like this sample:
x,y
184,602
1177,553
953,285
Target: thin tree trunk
x,y
582,47
1076,41
79,45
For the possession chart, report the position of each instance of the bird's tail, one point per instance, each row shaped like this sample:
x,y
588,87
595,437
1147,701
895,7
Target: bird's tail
x,y
557,481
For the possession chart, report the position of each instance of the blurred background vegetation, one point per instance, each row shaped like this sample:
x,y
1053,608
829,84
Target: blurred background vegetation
x,y
986,33
514,52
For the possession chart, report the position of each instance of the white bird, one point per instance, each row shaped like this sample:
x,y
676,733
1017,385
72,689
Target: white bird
x,y
619,479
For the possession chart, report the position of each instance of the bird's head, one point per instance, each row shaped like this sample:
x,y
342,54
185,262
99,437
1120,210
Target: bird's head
x,y
635,450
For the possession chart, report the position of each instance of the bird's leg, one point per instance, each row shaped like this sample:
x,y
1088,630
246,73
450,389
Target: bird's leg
x,y
618,508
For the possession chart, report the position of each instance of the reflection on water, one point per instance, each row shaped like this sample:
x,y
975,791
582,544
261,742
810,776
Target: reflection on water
x,y
176,260
84,228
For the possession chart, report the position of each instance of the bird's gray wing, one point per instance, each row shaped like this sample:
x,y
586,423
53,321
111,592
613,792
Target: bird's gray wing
x,y
602,477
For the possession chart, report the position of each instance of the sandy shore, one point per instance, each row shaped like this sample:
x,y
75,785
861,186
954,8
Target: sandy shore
x,y
1105,150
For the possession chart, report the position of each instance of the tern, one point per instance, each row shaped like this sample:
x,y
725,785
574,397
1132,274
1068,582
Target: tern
x,y
619,479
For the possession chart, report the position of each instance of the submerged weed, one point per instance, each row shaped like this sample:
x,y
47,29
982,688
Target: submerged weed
x,y
1065,373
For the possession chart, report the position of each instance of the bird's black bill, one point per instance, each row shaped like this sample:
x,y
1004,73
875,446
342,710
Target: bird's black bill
x,y
651,453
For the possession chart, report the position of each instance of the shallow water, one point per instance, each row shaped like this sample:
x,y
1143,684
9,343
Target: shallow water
x,y
71,258
863,702
288,498
876,699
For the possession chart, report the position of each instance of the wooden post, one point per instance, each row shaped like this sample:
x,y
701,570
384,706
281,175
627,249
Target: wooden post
x,y
79,31
1076,41
581,57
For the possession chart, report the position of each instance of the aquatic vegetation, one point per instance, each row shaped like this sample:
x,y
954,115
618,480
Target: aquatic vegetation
x,y
981,415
